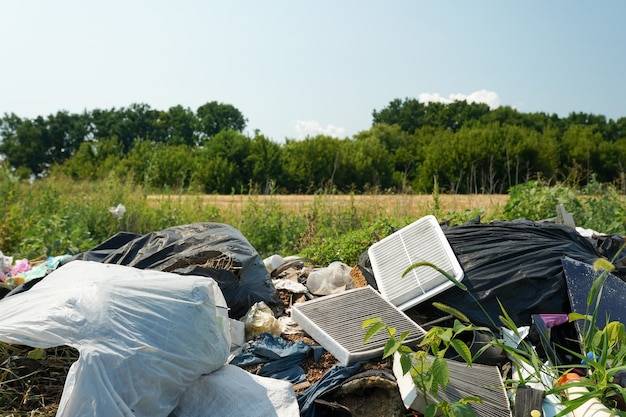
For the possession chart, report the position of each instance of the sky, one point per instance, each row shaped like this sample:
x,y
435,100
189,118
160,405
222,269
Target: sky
x,y
298,68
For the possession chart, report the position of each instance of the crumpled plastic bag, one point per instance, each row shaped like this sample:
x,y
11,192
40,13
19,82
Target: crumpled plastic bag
x,y
333,279
232,392
260,319
143,336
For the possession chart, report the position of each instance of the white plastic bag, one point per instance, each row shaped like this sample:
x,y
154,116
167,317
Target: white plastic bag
x,y
143,336
333,279
232,392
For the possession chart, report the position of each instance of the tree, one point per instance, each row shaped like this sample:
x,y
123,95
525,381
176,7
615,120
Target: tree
x,y
264,158
25,144
180,126
94,160
214,117
66,133
369,163
311,164
408,114
579,150
228,150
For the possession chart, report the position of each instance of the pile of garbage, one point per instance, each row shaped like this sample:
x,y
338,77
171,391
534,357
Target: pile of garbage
x,y
191,322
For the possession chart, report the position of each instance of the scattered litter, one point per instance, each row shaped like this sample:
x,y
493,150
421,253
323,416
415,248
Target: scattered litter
x,y
336,321
118,211
214,250
220,331
278,358
421,241
260,319
333,279
131,327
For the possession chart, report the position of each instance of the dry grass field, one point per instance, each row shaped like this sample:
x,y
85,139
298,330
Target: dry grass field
x,y
402,204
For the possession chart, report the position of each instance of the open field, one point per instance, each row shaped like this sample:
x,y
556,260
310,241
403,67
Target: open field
x,y
402,204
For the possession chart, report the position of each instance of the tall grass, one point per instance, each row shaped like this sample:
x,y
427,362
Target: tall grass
x,y
58,215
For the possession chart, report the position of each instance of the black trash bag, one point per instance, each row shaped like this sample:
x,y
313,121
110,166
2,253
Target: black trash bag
x,y
517,263
215,250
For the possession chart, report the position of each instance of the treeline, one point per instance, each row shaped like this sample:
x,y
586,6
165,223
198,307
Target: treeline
x,y
463,147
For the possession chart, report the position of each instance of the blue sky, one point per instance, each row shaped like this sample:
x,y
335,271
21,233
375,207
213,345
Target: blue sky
x,y
297,68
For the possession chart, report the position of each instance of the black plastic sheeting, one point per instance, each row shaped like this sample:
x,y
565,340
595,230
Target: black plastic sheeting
x,y
215,250
517,263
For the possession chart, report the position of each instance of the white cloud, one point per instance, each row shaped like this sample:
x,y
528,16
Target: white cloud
x,y
306,128
490,98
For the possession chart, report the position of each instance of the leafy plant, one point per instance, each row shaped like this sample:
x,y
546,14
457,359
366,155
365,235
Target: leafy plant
x,y
603,353
427,365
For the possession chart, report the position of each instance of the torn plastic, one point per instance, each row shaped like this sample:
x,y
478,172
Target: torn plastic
x,y
216,250
143,336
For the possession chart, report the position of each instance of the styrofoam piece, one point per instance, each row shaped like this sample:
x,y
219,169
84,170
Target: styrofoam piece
x,y
482,381
422,240
336,323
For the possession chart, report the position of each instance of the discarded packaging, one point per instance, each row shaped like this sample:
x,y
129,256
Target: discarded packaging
x,y
260,319
143,336
333,279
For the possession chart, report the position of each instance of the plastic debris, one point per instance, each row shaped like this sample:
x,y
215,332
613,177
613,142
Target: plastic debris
x,y
143,336
260,319
334,278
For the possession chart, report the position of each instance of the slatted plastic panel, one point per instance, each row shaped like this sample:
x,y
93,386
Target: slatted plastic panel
x,y
422,240
482,381
336,323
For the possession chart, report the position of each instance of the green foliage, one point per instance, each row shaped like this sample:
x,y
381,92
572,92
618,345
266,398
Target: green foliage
x,y
596,206
603,353
536,200
345,244
469,147
267,226
427,365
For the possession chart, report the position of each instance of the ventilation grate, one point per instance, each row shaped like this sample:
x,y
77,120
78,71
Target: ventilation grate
x,y
336,323
482,381
422,240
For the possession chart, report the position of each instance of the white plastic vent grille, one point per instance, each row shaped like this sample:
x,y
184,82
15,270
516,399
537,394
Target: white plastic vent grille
x,y
422,240
482,381
336,323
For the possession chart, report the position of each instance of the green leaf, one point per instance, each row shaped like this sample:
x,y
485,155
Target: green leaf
x,y
440,371
615,332
374,328
462,350
369,322
405,363
403,336
36,353
462,409
391,347
596,289
577,316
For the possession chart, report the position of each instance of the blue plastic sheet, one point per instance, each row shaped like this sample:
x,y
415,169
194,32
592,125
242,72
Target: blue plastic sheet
x,y
281,358
335,376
